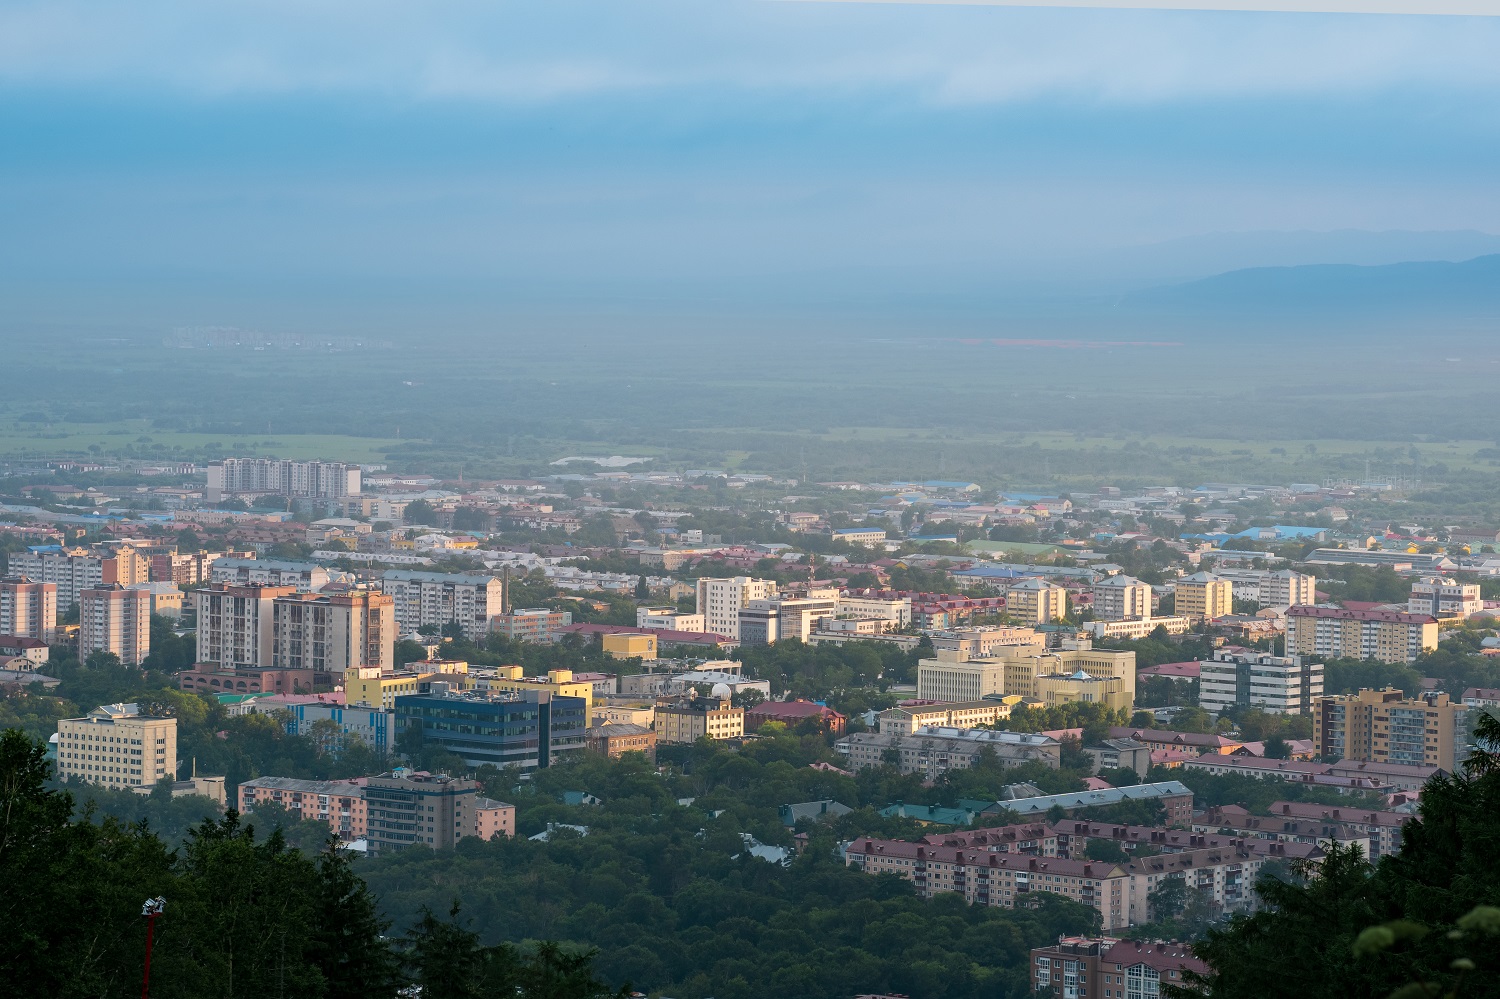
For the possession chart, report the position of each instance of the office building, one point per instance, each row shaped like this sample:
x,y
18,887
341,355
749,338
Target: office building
x,y
112,618
236,625
532,624
1280,685
75,569
1203,597
982,642
438,599
914,715
721,600
1385,726
406,808
333,723
1035,601
932,751
308,577
330,480
117,746
668,619
28,609
699,718
952,676
1121,598
527,729
1444,598
378,688
766,622
1341,633
333,633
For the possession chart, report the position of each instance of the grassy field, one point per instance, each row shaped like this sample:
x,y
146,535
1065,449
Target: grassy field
x,y
137,439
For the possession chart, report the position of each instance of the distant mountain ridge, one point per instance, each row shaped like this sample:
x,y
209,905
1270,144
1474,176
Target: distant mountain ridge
x,y
1437,285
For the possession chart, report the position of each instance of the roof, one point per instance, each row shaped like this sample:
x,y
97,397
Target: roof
x,y
663,636
1167,737
611,731
792,709
820,810
482,802
1091,799
354,785
1176,671
1347,614
1158,954
21,642
1347,768
413,575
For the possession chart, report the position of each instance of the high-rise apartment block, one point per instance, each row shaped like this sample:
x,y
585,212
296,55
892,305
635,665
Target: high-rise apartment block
x,y
1440,597
117,746
236,625
1121,598
1035,601
333,480
441,598
331,633
1203,596
28,609
1280,685
1286,588
1385,726
721,600
1341,633
113,618
75,569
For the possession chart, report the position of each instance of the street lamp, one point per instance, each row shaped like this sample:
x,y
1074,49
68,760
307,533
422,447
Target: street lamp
x,y
151,909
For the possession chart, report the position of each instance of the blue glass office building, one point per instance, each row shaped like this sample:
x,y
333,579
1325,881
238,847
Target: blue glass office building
x,y
503,729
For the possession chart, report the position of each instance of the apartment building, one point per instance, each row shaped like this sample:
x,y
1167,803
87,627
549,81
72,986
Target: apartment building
x,y
1282,685
1444,598
308,577
1377,833
117,746
1385,726
1016,670
112,618
1105,968
189,568
28,609
528,729
1225,874
532,624
75,569
437,599
339,804
721,600
1340,633
1121,598
1203,596
1286,588
984,877
407,808
333,633
332,480
932,751
867,536
699,718
1035,601
236,625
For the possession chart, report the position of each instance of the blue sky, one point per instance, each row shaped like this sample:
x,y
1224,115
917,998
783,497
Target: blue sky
x,y
587,144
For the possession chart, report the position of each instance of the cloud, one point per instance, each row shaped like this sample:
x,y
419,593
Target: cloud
x,y
522,53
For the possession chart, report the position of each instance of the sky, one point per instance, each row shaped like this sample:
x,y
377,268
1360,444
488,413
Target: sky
x,y
182,159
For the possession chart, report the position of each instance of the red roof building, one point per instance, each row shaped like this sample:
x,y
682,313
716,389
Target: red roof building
x,y
793,713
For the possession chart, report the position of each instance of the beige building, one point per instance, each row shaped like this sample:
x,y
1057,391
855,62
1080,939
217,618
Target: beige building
x,y
1036,601
1173,624
953,676
766,622
980,642
721,600
1385,726
1443,598
112,618
333,633
908,718
1053,689
702,717
236,625
622,645
1203,596
639,713
1121,598
373,687
28,609
116,746
1336,632
559,681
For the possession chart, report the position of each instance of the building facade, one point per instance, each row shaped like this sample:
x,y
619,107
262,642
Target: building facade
x,y
532,624
528,729
240,571
28,609
721,600
1340,633
116,746
1035,601
333,633
1121,598
1444,598
612,740
236,625
1385,726
1281,685
436,599
1017,670
1203,596
408,808
112,618
933,751
339,804
75,569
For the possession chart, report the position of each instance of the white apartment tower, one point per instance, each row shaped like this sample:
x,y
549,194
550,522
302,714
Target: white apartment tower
x,y
721,600
236,625
439,598
332,480
1122,598
114,619
1278,685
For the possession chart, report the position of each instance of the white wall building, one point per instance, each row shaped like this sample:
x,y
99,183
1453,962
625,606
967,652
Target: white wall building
x,y
1440,596
721,600
1279,685
439,598
1121,598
